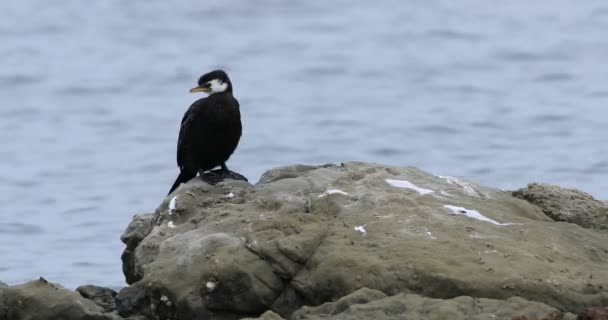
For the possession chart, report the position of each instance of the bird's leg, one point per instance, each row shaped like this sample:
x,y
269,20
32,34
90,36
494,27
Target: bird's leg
x,y
227,173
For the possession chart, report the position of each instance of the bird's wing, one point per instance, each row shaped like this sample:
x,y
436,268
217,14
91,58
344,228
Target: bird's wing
x,y
187,125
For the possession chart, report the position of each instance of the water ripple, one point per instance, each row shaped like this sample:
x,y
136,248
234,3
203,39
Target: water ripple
x,y
19,228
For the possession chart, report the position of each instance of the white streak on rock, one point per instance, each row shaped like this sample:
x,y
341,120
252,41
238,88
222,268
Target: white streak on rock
x,y
172,205
332,191
408,185
361,229
466,186
474,214
445,193
170,224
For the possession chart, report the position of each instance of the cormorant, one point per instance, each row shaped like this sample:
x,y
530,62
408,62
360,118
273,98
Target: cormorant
x,y
210,130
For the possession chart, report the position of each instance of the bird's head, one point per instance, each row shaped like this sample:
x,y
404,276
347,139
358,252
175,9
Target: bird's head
x,y
213,82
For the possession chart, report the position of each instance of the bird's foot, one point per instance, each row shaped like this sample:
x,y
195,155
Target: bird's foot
x,y
229,174
214,176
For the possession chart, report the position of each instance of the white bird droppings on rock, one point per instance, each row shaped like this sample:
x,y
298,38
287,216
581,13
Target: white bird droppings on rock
x,y
332,191
430,234
408,185
466,186
211,285
361,229
172,205
474,214
170,224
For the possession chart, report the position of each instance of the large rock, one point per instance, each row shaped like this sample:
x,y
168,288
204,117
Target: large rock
x,y
307,235
43,300
569,205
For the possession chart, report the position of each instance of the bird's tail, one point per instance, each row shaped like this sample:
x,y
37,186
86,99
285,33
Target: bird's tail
x,y
184,176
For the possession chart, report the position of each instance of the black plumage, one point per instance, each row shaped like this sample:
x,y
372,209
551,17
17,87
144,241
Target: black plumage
x,y
210,129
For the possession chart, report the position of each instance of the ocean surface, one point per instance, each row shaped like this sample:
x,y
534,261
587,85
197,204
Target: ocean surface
x,y
92,93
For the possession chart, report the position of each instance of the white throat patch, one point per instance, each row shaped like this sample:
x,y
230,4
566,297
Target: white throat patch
x,y
217,86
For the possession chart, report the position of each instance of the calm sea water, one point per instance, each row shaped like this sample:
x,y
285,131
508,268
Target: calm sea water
x,y
92,95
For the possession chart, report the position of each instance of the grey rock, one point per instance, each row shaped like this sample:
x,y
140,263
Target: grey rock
x,y
101,296
371,304
220,273
43,300
306,235
568,205
137,230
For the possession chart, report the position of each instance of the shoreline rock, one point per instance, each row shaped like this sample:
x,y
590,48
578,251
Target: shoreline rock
x,y
40,299
568,205
361,240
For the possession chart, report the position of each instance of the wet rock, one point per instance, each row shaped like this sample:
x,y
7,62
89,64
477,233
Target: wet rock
x,y
568,205
308,235
133,301
101,296
43,300
372,304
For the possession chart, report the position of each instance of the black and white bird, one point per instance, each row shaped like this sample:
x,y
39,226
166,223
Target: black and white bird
x,y
210,129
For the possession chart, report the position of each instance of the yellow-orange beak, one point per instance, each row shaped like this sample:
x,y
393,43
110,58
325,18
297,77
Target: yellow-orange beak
x,y
199,89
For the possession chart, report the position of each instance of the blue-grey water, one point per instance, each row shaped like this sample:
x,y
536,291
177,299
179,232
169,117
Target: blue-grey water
x,y
92,93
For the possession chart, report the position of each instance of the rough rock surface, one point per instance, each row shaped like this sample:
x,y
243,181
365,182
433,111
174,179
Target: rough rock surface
x,y
594,314
569,205
268,315
371,304
43,300
133,301
307,235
